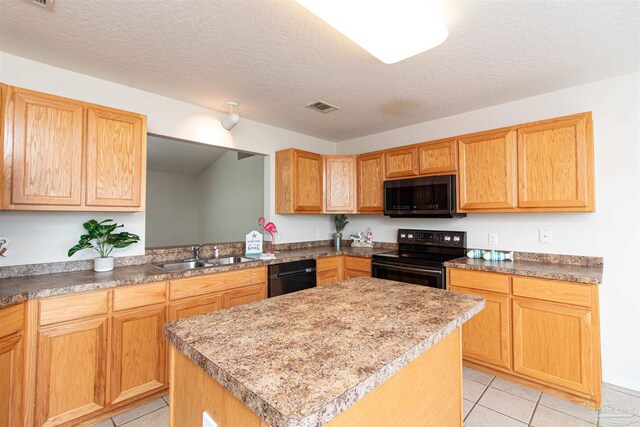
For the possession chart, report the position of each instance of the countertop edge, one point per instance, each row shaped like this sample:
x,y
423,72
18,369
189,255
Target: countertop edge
x,y
523,271
334,407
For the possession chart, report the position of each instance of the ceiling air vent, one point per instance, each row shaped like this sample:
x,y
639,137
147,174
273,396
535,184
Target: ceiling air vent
x,y
322,106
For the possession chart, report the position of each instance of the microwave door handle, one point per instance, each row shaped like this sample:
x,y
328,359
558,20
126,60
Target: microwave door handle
x,y
409,269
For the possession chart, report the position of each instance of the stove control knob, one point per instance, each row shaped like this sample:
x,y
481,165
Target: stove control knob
x,y
410,236
402,235
447,238
456,238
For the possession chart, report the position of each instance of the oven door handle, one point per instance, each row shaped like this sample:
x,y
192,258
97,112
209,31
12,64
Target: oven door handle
x,y
407,269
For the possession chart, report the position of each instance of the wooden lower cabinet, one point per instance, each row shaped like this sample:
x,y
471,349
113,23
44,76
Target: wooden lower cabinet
x,y
543,333
356,267
244,295
71,371
552,342
195,306
138,353
487,337
11,365
329,270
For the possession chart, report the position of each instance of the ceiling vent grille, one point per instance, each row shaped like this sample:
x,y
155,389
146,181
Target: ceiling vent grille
x,y
322,107
47,4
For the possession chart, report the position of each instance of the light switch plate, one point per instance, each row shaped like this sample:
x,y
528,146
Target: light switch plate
x,y
545,235
207,421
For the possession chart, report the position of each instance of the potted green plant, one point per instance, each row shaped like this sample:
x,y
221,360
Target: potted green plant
x,y
101,238
341,222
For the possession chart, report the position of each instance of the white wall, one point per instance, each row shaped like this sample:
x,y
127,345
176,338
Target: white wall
x,y
172,198
34,237
613,231
231,198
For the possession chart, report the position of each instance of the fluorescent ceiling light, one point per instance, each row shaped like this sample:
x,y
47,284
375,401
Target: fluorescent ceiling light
x,y
389,30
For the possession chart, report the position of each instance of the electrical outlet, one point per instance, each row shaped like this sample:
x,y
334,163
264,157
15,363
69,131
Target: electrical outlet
x,y
207,421
545,235
493,239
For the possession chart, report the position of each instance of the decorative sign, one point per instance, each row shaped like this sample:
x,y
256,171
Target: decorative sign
x,y
253,243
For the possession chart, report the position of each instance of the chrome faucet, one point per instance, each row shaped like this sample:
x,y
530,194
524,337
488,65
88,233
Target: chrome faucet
x,y
196,252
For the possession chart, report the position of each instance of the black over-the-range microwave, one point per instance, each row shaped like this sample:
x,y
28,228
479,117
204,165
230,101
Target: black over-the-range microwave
x,y
427,197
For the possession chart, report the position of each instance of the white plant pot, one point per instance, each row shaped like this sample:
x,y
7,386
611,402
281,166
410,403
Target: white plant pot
x,y
103,264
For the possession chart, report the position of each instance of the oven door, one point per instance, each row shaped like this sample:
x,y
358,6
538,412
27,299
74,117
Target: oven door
x,y
425,276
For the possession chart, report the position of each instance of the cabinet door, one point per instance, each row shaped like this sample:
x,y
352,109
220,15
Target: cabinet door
x,y
11,370
552,342
340,183
47,150
138,353
401,163
195,306
327,277
307,175
371,183
244,295
487,336
438,157
350,274
487,171
71,371
11,364
553,163
116,151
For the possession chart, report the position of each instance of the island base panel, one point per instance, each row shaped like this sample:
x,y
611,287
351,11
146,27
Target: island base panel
x,y
426,392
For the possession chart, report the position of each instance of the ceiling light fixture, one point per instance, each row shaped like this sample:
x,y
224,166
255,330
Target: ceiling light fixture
x,y
233,118
390,30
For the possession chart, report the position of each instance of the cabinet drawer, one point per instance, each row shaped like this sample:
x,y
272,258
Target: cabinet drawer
x,y
492,282
357,263
200,285
552,290
330,263
62,309
11,319
139,296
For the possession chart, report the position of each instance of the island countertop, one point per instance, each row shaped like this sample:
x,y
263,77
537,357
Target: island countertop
x,y
303,358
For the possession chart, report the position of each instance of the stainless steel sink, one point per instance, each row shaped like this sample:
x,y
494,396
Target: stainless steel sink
x,y
190,265
185,265
229,260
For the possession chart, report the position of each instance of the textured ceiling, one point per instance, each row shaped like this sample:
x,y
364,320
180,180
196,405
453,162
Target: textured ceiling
x,y
275,57
170,155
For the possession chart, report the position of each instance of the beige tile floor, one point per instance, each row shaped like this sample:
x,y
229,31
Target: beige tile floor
x,y
488,402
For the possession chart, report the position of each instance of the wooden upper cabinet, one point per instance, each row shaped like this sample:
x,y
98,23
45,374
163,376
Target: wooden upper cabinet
x,y
555,168
47,150
67,155
487,171
371,183
438,157
116,152
402,162
340,184
299,182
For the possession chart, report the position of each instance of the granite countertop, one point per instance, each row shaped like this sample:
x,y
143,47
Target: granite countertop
x,y
591,275
19,289
303,358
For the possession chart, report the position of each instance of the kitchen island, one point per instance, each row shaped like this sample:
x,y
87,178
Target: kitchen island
x,y
360,352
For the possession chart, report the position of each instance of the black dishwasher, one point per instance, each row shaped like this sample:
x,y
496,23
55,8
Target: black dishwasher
x,y
291,277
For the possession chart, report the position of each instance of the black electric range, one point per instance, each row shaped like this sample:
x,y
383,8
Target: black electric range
x,y
420,257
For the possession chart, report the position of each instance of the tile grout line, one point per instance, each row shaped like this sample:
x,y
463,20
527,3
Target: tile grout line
x,y
133,419
535,408
479,397
620,390
137,418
